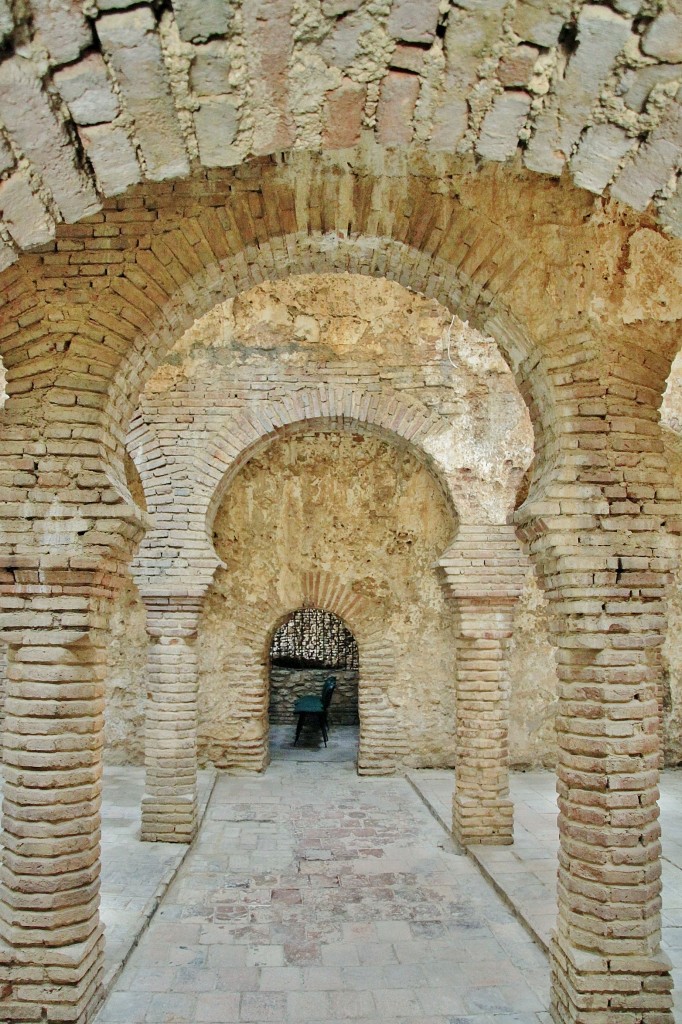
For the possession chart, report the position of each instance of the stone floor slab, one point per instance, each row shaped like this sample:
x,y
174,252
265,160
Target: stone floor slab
x,y
525,873
358,909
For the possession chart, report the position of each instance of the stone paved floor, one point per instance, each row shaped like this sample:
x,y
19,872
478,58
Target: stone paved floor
x,y
526,872
135,875
342,744
314,895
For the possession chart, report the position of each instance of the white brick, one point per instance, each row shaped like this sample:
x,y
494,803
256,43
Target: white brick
x,y
113,158
654,162
28,221
414,21
200,20
602,34
87,90
61,28
663,38
600,152
499,135
30,120
216,124
210,71
132,42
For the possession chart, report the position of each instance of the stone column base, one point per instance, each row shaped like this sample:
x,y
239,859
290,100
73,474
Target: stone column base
x,y
171,819
591,989
55,985
477,822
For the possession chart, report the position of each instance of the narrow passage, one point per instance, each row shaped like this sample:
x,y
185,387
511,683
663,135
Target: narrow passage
x,y
313,895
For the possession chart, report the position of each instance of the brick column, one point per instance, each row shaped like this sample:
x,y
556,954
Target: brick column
x,y
51,938
482,811
606,958
169,805
484,569
604,556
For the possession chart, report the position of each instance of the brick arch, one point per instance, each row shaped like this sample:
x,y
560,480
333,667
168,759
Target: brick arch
x,y
382,742
400,420
230,237
376,257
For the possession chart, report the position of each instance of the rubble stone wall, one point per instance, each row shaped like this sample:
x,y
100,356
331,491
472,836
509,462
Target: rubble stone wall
x,y
288,684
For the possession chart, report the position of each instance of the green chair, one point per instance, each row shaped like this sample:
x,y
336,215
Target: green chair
x,y
313,710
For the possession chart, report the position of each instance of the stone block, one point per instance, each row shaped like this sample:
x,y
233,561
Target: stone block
x,y
499,134
516,67
210,71
397,100
87,90
655,161
113,158
23,213
413,21
539,22
469,38
200,20
28,117
343,115
342,45
408,58
6,20
599,155
663,38
61,28
636,84
215,123
132,42
602,34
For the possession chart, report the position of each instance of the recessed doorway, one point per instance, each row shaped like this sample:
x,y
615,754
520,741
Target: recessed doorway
x,y
307,648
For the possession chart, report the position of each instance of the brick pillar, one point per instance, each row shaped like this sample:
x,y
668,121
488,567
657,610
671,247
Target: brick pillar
x,y
484,569
607,964
51,938
169,805
604,553
481,810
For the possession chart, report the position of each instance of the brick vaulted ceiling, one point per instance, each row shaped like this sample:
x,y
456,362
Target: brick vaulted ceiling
x,y
100,95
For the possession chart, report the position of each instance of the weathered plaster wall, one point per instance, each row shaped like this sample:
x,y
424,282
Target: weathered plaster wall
x,y
278,338
126,680
533,676
373,517
672,651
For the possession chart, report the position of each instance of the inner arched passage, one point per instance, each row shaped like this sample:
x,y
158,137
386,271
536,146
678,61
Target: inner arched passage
x,y
308,647
365,550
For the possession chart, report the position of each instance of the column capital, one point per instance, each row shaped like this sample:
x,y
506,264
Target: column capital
x,y
172,614
485,565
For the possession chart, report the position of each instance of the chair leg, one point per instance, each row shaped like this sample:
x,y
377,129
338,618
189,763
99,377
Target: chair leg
x,y
299,727
323,728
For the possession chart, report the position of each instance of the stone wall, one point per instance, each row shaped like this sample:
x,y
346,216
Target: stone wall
x,y
577,85
288,684
671,697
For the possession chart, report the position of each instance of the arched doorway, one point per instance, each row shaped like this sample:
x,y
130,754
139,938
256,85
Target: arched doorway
x,y
308,647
